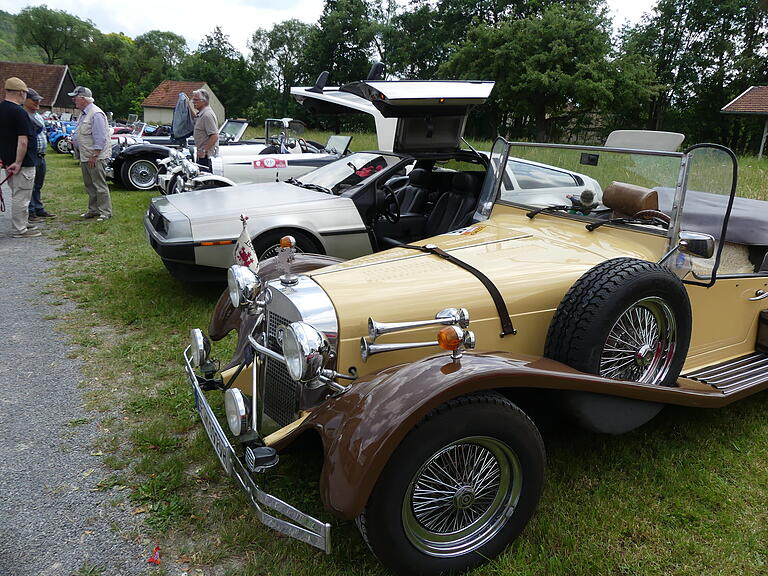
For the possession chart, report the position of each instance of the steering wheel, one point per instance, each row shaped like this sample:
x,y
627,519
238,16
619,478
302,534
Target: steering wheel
x,y
390,208
653,216
302,144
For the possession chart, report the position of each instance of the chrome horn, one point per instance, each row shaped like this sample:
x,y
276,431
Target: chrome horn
x,y
448,317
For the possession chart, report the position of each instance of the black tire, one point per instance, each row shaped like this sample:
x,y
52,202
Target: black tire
x,y
589,323
487,510
63,146
139,173
267,244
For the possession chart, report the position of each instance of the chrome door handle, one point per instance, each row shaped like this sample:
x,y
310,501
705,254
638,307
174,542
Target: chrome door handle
x,y
759,295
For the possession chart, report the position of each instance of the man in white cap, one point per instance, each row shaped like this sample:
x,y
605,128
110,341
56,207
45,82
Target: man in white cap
x,y
32,106
92,147
15,134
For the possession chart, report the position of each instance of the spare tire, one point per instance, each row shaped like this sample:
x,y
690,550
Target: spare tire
x,y
625,319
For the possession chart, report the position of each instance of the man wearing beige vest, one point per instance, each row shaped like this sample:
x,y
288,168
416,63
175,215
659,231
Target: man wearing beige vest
x,y
92,147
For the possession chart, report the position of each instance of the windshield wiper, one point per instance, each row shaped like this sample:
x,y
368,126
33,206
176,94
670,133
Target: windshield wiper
x,y
556,208
653,221
317,187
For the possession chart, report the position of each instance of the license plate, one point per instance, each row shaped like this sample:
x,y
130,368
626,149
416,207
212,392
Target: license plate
x,y
215,434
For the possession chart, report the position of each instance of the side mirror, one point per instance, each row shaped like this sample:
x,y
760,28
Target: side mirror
x,y
696,244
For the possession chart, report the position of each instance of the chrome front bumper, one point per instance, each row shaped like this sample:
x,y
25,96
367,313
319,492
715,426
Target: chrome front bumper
x,y
304,527
163,180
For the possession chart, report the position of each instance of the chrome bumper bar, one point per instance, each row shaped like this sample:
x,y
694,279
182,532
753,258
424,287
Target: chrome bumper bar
x,y
304,527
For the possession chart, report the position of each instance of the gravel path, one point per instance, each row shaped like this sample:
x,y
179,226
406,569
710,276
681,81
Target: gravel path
x,y
53,520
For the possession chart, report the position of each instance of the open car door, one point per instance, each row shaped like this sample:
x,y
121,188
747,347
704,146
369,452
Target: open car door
x,y
410,115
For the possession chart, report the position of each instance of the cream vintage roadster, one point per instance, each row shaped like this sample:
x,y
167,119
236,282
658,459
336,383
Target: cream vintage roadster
x,y
414,366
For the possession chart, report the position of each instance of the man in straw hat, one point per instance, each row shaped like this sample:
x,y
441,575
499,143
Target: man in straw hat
x,y
15,153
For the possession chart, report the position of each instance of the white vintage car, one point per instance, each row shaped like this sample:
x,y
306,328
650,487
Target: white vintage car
x,y
281,154
363,202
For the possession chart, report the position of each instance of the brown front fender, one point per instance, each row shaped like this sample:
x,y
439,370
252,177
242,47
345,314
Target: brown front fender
x,y
361,428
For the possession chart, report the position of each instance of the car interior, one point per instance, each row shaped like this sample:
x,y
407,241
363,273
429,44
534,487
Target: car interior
x,y
431,202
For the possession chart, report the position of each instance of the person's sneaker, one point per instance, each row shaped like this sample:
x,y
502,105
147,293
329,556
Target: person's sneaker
x,y
103,218
32,227
87,215
44,214
34,218
27,234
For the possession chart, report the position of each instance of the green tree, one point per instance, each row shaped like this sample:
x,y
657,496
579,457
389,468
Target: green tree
x,y
57,33
108,68
276,58
224,69
342,41
552,67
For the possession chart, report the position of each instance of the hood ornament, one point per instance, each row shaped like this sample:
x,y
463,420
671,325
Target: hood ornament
x,y
286,254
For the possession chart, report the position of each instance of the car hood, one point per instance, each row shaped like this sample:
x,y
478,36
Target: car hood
x,y
215,214
533,263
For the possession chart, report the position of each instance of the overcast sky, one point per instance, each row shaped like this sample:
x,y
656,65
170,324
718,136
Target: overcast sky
x,y
238,19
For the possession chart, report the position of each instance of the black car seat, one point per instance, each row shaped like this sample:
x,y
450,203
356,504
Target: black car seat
x,y
413,196
455,207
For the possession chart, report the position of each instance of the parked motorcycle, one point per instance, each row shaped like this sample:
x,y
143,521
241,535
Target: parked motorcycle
x,y
179,173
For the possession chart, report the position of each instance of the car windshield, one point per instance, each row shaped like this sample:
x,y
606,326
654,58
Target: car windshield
x,y
540,175
350,171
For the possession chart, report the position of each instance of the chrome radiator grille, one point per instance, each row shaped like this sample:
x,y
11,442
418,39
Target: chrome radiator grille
x,y
281,394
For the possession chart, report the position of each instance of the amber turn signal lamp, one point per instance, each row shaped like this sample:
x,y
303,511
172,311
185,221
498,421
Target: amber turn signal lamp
x,y
450,338
287,242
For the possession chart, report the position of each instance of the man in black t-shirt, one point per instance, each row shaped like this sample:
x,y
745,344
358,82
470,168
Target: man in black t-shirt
x,y
16,148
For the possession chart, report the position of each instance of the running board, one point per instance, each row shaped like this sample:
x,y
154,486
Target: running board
x,y
735,374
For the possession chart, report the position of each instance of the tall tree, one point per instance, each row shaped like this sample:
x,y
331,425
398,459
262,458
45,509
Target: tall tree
x,y
551,67
341,42
224,69
56,32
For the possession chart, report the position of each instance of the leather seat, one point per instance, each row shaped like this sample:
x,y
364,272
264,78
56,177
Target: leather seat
x,y
455,207
628,199
413,196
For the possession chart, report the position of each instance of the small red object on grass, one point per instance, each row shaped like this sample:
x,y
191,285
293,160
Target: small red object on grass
x,y
155,558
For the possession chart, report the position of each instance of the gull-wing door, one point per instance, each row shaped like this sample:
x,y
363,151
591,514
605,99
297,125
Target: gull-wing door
x,y
410,115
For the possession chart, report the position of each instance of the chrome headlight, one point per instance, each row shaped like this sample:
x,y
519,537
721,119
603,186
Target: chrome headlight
x,y
244,285
200,346
237,410
306,351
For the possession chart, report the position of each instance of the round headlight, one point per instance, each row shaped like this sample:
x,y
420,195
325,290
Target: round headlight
x,y
243,285
200,347
306,351
236,408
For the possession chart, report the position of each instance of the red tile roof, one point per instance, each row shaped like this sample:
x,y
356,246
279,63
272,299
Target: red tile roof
x,y
52,81
167,93
754,100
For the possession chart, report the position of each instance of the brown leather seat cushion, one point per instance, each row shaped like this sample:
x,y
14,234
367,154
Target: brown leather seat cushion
x,y
628,199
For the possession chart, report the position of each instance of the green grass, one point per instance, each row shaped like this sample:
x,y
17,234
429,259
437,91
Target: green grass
x,y
683,495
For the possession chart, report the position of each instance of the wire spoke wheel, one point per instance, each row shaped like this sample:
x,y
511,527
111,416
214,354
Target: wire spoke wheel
x,y
641,345
462,496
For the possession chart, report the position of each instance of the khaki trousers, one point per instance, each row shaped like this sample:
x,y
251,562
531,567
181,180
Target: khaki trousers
x,y
95,180
21,185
